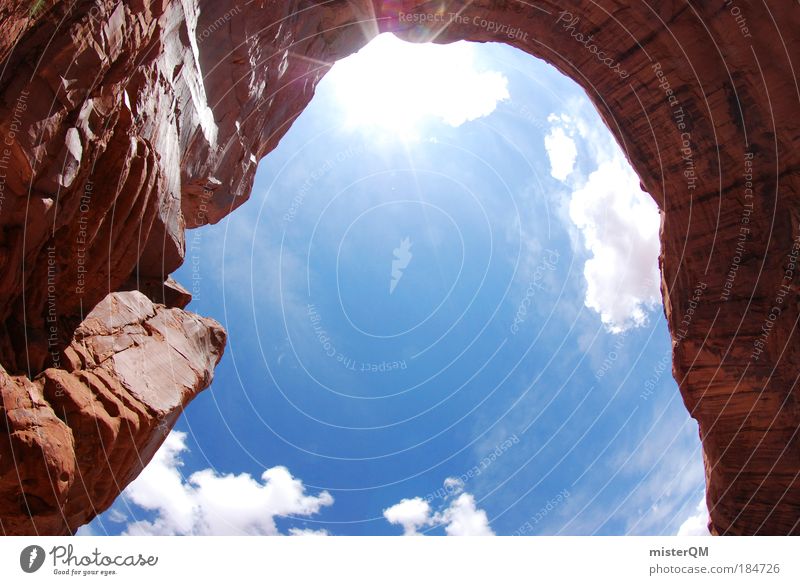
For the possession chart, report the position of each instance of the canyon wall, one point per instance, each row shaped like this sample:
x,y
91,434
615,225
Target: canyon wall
x,y
123,124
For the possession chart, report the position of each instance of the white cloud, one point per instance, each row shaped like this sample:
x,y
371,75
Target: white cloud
x,y
620,225
307,532
461,517
117,516
453,485
618,221
696,525
211,503
393,84
412,514
561,151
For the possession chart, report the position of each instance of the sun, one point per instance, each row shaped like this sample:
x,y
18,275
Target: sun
x,y
396,87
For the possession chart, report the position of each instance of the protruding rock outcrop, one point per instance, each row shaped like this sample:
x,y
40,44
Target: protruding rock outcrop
x,y
124,123
80,433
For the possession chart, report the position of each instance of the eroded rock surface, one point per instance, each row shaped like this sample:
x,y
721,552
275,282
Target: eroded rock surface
x,y
80,433
124,123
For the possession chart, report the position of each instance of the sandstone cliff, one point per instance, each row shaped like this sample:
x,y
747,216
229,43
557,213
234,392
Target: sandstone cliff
x,y
123,124
79,433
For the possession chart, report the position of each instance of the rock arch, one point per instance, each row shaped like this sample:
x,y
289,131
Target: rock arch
x,y
125,123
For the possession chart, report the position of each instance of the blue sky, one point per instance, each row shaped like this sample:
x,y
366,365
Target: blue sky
x,y
444,318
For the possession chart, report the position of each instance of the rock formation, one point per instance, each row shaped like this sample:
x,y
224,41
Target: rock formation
x,y
122,124
81,432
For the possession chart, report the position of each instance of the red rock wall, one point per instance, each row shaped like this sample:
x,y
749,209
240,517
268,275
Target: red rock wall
x,y
78,434
124,123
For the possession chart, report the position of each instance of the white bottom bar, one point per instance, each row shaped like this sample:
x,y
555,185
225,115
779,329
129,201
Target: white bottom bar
x,y
389,560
